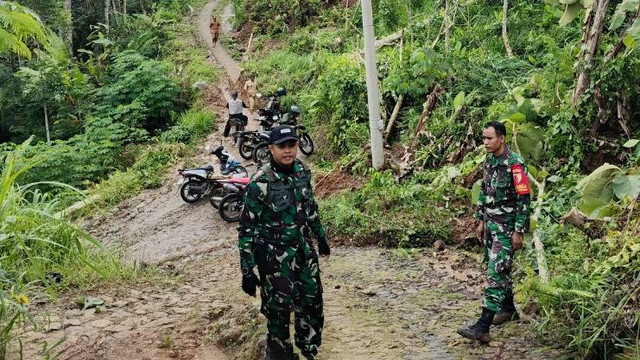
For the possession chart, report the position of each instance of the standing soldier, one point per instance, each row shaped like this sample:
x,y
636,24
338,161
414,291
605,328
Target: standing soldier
x,y
214,27
275,228
251,87
503,211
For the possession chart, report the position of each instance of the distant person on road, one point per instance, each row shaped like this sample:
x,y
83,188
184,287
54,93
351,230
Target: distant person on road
x,y
503,211
235,107
251,87
214,27
280,215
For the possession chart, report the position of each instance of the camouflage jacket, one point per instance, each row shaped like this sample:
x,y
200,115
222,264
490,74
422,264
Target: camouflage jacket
x,y
505,192
285,217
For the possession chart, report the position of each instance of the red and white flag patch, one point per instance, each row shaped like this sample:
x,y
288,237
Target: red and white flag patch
x,y
520,180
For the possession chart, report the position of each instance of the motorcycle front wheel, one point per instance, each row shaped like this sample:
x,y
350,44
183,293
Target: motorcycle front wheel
x,y
306,144
245,148
230,207
261,153
186,191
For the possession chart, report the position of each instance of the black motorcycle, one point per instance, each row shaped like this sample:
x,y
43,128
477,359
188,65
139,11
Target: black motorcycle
x,y
271,114
260,153
247,141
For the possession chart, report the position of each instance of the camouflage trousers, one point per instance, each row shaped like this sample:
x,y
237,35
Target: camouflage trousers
x,y
290,281
499,256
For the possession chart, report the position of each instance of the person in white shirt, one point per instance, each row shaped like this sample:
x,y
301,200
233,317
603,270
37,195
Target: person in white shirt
x,y
235,107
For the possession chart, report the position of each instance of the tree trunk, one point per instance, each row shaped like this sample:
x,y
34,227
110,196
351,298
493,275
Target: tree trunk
x,y
595,30
124,7
69,35
107,11
428,107
447,28
46,122
447,36
114,10
505,35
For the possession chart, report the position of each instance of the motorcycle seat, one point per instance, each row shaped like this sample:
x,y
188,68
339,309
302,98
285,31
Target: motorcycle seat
x,y
208,168
243,181
240,181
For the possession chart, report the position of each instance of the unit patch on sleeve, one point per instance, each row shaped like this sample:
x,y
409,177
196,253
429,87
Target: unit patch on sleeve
x,y
520,180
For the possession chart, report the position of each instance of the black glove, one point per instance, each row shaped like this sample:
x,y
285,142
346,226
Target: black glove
x,y
323,247
249,283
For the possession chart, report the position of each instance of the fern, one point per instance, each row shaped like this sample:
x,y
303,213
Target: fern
x,y
18,25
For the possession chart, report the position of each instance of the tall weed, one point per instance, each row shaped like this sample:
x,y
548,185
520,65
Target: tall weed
x,y
36,244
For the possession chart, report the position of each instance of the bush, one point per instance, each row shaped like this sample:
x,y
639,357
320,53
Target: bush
x,y
148,171
192,125
387,214
140,94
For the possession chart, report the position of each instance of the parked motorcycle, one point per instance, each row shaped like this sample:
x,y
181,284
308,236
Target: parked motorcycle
x,y
231,205
196,183
249,139
260,153
228,164
229,186
199,182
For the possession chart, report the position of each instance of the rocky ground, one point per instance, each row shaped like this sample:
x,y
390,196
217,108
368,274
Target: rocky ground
x,y
379,303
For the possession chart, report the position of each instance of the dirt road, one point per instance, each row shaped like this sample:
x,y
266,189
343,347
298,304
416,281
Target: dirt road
x,y
379,303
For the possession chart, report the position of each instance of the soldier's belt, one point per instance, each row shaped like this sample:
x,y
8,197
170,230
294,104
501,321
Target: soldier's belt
x,y
282,241
510,203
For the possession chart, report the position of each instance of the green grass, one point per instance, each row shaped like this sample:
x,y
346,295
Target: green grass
x,y
35,243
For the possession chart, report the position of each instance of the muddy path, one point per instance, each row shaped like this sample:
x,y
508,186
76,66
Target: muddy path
x,y
379,303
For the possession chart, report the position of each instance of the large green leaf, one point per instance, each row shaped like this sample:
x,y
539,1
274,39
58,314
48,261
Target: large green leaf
x,y
597,190
621,13
634,30
570,13
475,191
458,101
626,185
530,141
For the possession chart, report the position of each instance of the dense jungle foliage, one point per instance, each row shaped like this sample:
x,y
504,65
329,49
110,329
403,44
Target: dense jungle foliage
x,y
86,103
563,77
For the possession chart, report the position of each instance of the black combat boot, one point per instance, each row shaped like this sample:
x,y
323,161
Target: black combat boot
x,y
275,352
479,330
508,311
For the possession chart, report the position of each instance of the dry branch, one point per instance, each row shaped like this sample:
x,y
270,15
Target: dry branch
x,y
394,115
543,269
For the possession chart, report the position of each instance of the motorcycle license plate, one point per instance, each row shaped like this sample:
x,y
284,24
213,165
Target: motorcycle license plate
x,y
181,181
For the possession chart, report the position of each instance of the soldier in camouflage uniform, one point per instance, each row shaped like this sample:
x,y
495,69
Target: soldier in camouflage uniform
x,y
279,217
503,211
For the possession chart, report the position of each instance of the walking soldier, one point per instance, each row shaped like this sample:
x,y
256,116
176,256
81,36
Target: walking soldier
x,y
275,228
503,211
